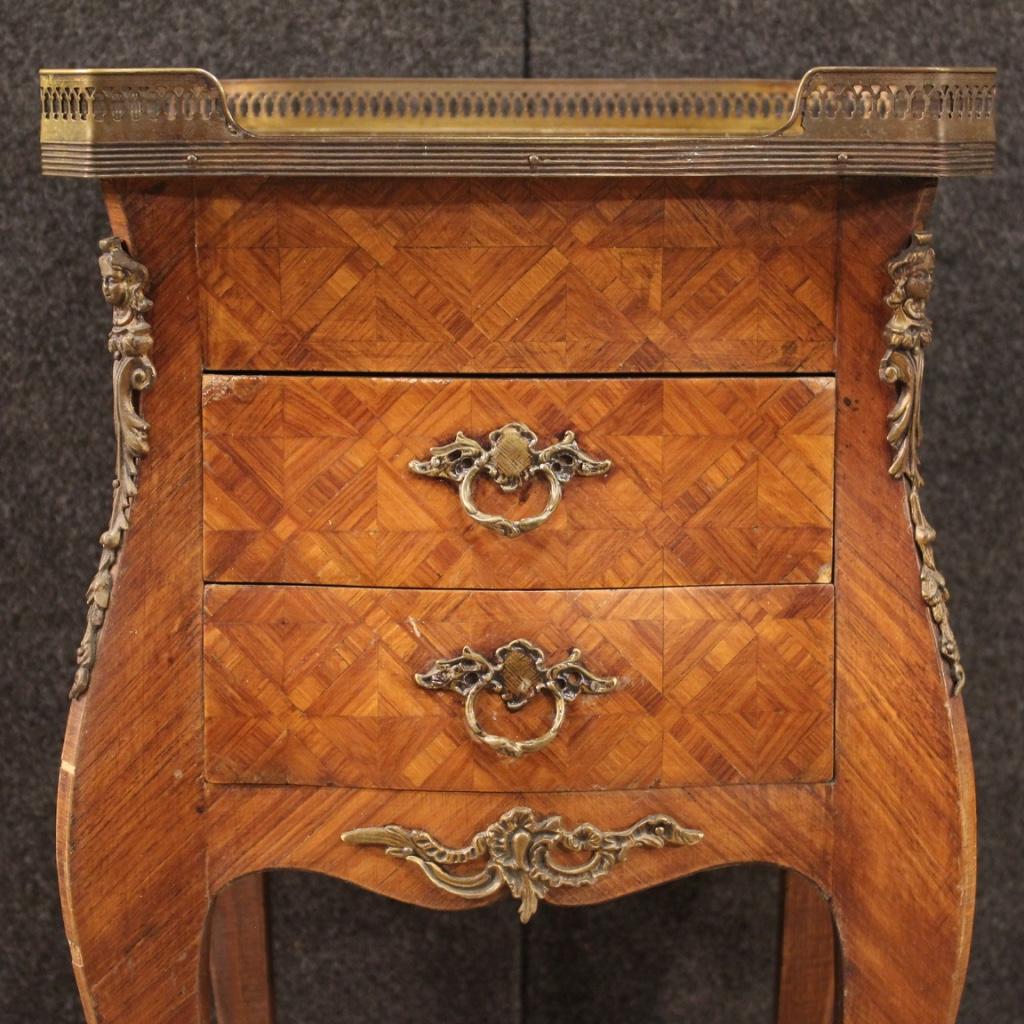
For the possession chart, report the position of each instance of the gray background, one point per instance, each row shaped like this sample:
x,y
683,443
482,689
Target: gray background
x,y
698,949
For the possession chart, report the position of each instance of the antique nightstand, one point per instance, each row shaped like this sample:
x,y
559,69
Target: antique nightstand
x,y
517,491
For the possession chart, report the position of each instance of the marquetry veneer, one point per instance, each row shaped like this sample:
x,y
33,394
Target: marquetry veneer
x,y
309,638
713,480
311,685
477,275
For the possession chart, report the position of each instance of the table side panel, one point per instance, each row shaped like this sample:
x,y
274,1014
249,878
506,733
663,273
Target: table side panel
x,y
131,841
905,835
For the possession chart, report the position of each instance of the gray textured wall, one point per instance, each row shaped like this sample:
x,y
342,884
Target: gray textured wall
x,y
696,949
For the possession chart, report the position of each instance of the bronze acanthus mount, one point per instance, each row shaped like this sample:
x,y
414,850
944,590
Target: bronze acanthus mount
x,y
124,281
518,852
907,334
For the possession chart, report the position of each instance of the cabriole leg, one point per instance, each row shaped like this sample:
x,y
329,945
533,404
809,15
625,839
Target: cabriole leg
x,y
239,953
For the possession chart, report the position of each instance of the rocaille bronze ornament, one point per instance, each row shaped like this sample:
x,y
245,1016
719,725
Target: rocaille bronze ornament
x,y
511,460
517,673
907,334
518,853
124,281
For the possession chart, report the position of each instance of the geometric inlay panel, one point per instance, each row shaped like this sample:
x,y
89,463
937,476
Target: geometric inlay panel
x,y
449,275
713,481
716,686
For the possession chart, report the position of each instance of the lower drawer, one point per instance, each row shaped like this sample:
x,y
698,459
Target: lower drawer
x,y
713,686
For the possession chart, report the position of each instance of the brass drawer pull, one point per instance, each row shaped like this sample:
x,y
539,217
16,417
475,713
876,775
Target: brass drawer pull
x,y
517,673
510,461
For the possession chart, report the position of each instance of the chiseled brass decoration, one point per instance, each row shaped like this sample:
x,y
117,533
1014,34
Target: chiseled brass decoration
x,y
511,461
103,122
516,674
908,333
518,850
130,342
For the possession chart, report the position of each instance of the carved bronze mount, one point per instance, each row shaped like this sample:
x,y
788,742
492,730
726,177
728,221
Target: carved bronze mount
x,y
907,334
517,673
130,341
511,461
518,852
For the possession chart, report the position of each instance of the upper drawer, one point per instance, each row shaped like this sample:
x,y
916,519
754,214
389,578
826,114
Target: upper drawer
x,y
519,276
712,480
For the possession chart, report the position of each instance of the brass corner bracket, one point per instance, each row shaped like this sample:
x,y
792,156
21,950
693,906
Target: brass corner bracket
x,y
907,334
124,281
517,850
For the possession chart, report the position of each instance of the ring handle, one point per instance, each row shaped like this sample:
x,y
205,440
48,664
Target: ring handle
x,y
511,461
502,744
509,527
517,673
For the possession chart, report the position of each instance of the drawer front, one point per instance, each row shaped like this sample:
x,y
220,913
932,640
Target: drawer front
x,y
712,481
716,686
518,276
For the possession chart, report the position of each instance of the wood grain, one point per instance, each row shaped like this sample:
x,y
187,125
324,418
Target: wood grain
x,y
904,868
240,953
442,276
300,827
716,480
131,846
145,842
314,686
807,955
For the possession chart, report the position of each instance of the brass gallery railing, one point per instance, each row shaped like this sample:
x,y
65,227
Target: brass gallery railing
x,y
159,122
